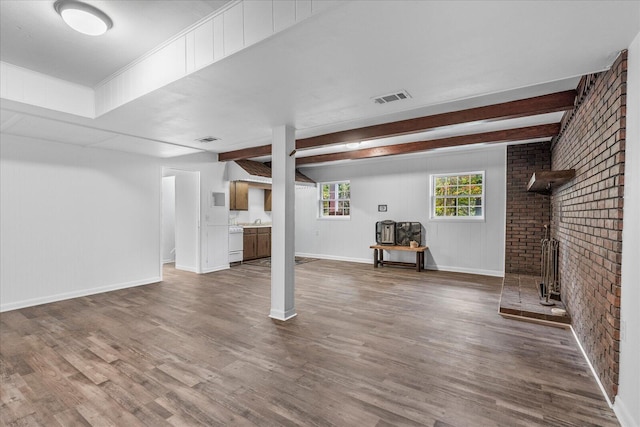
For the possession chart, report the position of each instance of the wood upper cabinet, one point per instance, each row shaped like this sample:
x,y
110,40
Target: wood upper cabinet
x,y
264,242
238,196
267,200
232,195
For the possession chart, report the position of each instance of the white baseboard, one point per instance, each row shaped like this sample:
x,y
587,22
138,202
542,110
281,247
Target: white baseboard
x,y
624,415
282,315
168,261
186,268
75,294
495,273
335,258
214,269
593,371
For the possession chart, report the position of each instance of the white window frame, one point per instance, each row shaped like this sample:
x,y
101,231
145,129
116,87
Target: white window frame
x,y
432,198
337,200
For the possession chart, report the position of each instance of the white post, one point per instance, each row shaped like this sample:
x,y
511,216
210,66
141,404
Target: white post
x,y
283,224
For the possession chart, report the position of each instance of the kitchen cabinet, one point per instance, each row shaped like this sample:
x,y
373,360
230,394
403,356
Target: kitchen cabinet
x,y
250,244
238,196
257,243
264,242
267,200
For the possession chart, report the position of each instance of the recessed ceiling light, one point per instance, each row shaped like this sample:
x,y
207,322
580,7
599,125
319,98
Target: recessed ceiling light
x,y
83,17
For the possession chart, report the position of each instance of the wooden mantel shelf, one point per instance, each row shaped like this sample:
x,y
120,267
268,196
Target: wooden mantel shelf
x,y
545,181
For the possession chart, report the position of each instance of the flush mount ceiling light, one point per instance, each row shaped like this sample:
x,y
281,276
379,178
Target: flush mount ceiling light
x,y
83,17
352,145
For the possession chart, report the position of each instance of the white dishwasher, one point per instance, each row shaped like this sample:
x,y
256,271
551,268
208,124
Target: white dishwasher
x,y
236,234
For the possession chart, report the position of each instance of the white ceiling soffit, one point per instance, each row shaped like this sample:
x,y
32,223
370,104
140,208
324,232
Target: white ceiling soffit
x,y
145,147
18,124
56,131
33,36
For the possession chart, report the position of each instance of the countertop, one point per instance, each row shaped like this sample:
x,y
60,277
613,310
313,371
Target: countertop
x,y
255,225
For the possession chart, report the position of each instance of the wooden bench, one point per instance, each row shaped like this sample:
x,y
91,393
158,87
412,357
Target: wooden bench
x,y
378,257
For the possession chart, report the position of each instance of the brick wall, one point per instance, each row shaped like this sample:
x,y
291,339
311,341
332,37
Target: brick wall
x,y
527,213
587,215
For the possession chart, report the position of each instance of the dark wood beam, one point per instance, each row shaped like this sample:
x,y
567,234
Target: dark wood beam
x,y
519,134
551,103
245,153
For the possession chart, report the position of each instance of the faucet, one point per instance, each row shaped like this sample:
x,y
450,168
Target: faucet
x,y
257,221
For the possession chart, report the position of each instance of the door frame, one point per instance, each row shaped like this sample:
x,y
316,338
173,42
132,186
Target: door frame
x,y
173,171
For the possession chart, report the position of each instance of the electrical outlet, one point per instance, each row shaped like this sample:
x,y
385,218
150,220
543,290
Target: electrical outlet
x,y
317,232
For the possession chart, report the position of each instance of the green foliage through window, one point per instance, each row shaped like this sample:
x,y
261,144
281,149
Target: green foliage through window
x,y
458,195
335,199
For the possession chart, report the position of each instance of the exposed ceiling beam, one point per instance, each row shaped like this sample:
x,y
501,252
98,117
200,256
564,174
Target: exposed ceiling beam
x,y
508,135
551,103
245,153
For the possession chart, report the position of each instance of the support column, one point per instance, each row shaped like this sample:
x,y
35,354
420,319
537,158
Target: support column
x,y
283,224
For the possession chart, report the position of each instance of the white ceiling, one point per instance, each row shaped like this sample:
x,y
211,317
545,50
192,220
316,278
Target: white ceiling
x,y
319,76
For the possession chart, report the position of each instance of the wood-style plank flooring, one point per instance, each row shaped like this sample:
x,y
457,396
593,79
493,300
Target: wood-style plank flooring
x,y
383,347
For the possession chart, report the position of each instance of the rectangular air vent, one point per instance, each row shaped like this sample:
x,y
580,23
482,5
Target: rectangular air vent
x,y
397,96
208,139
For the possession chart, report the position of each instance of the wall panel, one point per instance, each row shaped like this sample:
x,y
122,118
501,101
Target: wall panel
x,y
403,185
75,221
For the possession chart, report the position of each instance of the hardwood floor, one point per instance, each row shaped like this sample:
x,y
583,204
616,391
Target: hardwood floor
x,y
383,347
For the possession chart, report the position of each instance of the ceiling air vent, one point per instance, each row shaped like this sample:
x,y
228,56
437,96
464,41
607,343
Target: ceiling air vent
x,y
207,139
397,96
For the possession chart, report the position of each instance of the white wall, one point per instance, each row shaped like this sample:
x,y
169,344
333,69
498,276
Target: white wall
x,y
256,209
79,220
627,402
168,218
74,221
403,185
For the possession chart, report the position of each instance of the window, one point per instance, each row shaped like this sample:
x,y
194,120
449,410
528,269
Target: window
x,y
335,199
458,196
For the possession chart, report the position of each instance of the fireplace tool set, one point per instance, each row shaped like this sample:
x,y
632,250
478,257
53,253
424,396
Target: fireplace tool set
x,y
549,272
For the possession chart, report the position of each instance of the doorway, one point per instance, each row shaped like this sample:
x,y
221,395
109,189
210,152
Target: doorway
x,y
181,219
